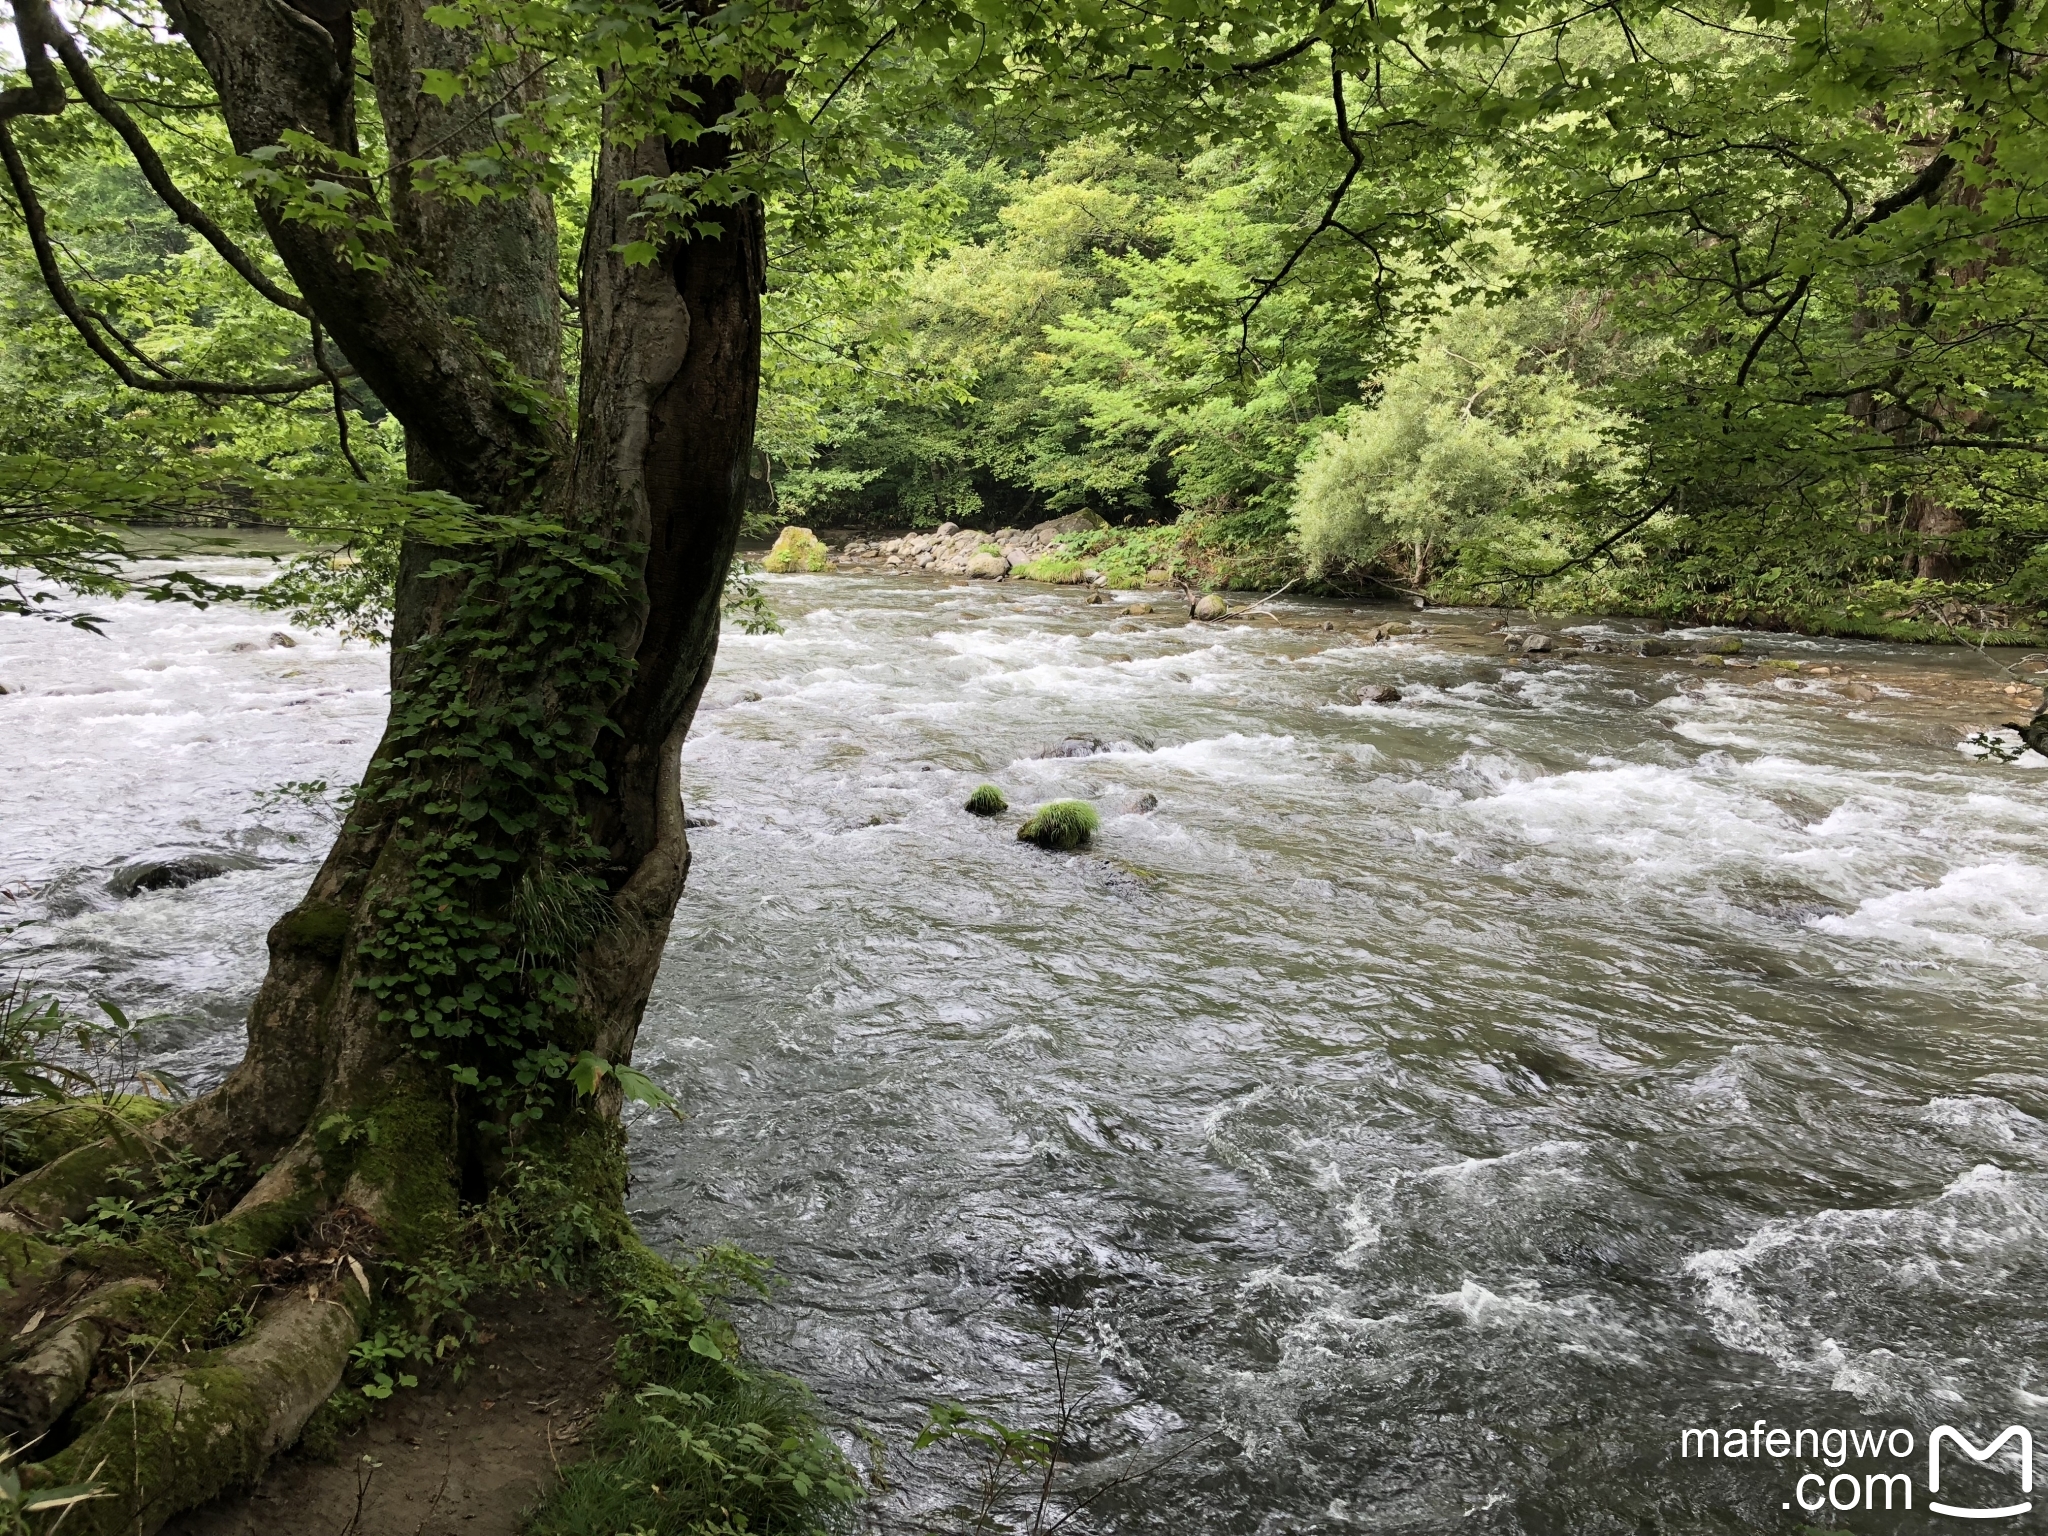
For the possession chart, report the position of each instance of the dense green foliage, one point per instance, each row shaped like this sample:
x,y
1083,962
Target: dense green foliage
x,y
1730,311
1727,313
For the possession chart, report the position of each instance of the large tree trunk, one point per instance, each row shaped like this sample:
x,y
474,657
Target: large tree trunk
x,y
498,898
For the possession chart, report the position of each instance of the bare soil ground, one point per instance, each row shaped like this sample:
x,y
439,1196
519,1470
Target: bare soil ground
x,y
448,1458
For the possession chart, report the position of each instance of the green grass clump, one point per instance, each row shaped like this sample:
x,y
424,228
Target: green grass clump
x,y
1062,825
987,801
1053,568
694,1442
716,1453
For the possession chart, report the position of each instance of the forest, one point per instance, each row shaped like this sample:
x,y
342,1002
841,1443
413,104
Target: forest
x,y
529,320
1701,316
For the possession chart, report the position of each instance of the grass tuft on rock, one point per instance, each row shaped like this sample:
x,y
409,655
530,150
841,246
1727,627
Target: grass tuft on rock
x,y
987,801
1062,825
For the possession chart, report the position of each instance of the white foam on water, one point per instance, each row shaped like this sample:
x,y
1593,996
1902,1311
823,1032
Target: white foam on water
x,y
1482,1308
1233,755
1798,1288
1979,912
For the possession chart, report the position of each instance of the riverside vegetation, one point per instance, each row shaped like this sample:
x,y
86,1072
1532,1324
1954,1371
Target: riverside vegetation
x,y
1729,312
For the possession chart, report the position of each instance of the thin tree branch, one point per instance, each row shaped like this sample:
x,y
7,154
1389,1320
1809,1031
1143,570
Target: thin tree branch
x,y
340,401
1266,285
858,65
53,279
1756,347
1592,554
150,163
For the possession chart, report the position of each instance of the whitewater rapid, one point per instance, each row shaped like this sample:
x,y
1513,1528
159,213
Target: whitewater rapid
x,y
1410,1124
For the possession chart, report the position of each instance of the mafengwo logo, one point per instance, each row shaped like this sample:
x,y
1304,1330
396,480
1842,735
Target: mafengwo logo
x,y
1943,1434
1849,1483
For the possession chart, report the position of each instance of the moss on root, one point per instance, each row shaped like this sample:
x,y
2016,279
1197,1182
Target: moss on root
x,y
45,1131
403,1150
169,1443
988,800
1061,826
218,1361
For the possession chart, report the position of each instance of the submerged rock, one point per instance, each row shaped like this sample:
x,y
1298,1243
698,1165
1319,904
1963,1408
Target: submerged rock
x,y
1654,648
174,871
796,549
1209,607
1088,746
1863,693
1141,805
1726,645
1379,693
283,641
1139,608
1061,826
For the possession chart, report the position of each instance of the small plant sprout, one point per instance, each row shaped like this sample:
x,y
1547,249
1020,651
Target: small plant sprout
x,y
987,801
1061,826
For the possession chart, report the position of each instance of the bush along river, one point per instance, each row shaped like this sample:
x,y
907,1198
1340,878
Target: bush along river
x,y
1405,1116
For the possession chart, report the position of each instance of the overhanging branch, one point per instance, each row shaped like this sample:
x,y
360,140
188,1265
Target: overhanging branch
x,y
147,160
81,319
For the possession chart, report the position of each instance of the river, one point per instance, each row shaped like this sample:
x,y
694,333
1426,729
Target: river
x,y
1412,1124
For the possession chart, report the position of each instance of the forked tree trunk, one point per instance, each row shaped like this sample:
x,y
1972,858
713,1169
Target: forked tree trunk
x,y
372,1080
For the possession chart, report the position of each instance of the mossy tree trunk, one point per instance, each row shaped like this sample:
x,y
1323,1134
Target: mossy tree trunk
x,y
495,906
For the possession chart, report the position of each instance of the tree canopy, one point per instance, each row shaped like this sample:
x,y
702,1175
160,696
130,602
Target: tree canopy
x,y
517,306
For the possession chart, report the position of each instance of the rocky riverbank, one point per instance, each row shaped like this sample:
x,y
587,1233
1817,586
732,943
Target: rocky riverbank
x,y
950,550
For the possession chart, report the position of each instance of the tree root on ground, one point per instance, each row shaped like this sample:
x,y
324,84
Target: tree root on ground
x,y
165,1444
112,1379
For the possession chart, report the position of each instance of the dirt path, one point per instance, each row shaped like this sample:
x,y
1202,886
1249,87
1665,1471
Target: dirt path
x,y
447,1457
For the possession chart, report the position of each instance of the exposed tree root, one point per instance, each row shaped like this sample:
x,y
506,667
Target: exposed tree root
x,y
37,1390
164,1444
166,1422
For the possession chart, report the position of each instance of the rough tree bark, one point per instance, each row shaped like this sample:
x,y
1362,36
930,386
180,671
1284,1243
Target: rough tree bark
x,y
456,325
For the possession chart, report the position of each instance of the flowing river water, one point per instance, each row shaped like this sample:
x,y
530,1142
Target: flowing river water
x,y
1412,1124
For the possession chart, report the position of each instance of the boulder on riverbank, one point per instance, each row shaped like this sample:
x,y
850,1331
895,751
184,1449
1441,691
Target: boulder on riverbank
x,y
796,549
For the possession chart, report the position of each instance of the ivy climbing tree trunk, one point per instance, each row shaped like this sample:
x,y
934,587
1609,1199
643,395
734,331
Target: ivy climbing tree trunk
x,y
470,965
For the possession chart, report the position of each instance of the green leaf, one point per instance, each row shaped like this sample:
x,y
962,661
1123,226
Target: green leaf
x,y
701,1343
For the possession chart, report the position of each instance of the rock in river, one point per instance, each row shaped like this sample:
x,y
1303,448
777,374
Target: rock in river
x,y
983,565
796,549
1379,693
174,870
1209,606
